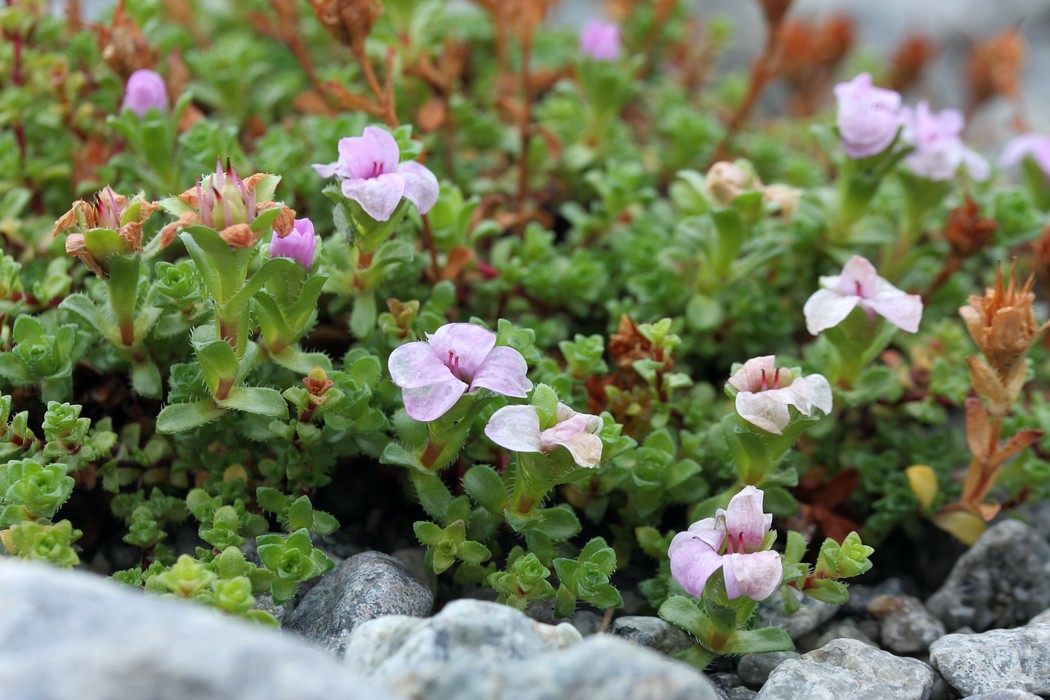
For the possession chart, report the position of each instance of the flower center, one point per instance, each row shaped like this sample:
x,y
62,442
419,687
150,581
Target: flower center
x,y
767,384
453,364
734,546
377,169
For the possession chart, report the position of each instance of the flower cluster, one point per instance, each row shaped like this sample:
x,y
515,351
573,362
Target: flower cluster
x,y
870,118
228,204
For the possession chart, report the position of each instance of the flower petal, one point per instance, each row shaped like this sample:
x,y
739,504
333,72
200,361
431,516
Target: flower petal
x,y
827,309
749,376
378,196
756,575
575,436
692,562
326,171
421,186
368,156
711,530
764,409
898,307
745,521
464,343
430,402
413,365
817,392
516,428
858,278
503,371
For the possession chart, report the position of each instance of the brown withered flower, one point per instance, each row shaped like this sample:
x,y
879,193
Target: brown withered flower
x,y
966,230
995,66
1041,259
910,59
228,204
1003,326
123,45
349,21
87,224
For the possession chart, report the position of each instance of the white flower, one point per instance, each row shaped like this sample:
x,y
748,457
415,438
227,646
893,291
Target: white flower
x,y
517,428
764,392
859,285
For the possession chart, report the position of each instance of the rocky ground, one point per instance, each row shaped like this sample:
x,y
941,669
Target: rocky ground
x,y
365,631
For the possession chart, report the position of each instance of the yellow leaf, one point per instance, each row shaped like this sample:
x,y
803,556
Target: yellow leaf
x,y
961,524
923,482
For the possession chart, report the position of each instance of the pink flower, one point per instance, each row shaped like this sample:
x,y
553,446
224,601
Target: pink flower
x,y
372,176
764,392
517,428
145,90
1018,148
600,40
457,358
299,245
939,150
860,285
731,541
868,116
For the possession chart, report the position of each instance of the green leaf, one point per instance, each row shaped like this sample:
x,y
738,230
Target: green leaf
x,y
682,612
795,548
760,641
428,533
564,603
363,315
474,552
179,417
434,496
827,591
605,596
259,400
558,523
145,379
271,499
485,486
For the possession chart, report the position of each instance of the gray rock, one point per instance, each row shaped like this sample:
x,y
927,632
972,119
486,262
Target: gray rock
x,y
477,649
846,668
754,669
811,614
75,635
740,693
651,632
465,631
845,629
1004,694
980,663
1003,581
907,626
414,558
362,588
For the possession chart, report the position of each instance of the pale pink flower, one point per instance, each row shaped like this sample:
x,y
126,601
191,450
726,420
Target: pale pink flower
x,y
939,150
299,245
764,392
517,428
600,40
372,176
458,358
731,541
145,90
1018,148
868,117
860,285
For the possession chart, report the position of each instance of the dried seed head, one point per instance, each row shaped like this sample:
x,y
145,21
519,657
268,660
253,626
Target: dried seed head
x,y
1002,324
967,231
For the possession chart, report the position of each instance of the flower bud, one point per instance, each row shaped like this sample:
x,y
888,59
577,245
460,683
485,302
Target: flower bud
x,y
145,90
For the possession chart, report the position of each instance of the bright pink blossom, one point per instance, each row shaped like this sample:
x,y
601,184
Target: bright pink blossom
x,y
868,117
939,150
458,358
299,245
1018,148
860,285
600,40
731,541
764,392
372,175
517,428
145,90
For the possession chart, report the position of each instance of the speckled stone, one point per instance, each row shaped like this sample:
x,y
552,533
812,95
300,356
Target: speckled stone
x,y
1010,658
75,635
847,668
362,588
